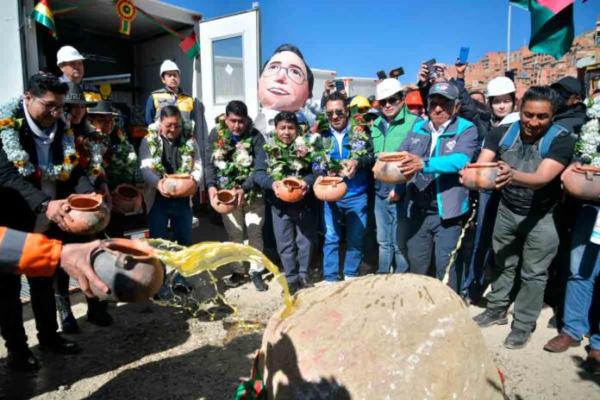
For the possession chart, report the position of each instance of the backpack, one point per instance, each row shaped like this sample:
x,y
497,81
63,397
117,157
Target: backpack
x,y
511,135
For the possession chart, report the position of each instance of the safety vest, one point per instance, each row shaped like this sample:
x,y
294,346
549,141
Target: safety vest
x,y
184,103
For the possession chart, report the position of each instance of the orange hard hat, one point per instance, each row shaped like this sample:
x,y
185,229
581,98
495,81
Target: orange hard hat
x,y
414,99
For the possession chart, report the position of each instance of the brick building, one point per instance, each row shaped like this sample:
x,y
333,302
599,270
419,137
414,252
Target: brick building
x,y
530,68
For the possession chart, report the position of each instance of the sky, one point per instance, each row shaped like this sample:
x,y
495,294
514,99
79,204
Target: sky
x,y
359,37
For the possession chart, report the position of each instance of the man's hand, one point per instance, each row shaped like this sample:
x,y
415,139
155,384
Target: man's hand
x,y
161,188
393,197
575,165
303,187
460,69
58,212
423,74
350,167
411,164
240,196
75,261
505,175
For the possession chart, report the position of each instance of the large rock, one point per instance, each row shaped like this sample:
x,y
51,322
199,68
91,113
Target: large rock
x,y
378,337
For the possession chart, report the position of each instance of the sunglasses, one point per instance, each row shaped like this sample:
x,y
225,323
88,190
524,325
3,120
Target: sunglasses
x,y
391,100
339,113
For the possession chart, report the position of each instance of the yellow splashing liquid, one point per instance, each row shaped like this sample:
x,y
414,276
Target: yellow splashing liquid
x,y
208,256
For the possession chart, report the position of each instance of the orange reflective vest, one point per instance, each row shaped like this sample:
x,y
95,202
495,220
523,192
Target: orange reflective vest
x,y
29,254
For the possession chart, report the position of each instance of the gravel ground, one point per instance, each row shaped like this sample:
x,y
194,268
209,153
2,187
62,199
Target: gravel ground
x,y
158,352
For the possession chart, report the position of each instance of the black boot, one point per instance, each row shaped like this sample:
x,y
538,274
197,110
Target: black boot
x,y
259,284
97,313
22,361
68,323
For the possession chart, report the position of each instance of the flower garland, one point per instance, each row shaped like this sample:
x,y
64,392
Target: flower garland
x,y
233,162
358,138
9,134
186,151
587,147
289,160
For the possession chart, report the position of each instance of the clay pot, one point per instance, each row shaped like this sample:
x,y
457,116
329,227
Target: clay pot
x,y
330,188
225,202
131,272
387,168
392,336
582,182
480,176
88,212
179,185
290,190
126,199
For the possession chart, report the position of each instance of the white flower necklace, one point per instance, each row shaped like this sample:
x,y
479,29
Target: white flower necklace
x,y
9,134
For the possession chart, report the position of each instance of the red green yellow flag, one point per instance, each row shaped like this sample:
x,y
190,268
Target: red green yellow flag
x,y
190,45
42,13
552,29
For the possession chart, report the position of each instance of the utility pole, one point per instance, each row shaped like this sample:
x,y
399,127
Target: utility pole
x,y
508,38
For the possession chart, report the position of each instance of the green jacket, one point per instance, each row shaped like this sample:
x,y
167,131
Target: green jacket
x,y
396,133
391,140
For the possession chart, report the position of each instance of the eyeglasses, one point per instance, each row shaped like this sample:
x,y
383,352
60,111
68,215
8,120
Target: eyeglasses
x,y
49,106
293,72
391,100
339,113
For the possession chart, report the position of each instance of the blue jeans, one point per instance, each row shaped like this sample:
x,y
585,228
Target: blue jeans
x,y
351,212
387,218
176,210
585,269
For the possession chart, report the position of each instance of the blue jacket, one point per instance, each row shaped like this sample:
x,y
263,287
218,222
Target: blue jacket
x,y
439,179
361,181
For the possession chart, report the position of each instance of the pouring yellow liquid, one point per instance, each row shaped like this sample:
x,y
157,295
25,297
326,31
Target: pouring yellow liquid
x,y
208,256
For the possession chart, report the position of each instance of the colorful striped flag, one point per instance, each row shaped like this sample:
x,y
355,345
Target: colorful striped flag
x,y
552,29
43,15
190,45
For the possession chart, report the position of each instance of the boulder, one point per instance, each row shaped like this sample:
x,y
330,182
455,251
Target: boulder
x,y
398,336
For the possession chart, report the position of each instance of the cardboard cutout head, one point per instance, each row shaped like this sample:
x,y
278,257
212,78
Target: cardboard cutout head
x,y
286,81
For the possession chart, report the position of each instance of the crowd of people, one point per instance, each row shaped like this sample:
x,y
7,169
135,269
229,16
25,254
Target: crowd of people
x,y
60,138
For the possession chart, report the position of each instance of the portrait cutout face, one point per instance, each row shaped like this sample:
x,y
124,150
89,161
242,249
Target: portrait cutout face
x,y
283,85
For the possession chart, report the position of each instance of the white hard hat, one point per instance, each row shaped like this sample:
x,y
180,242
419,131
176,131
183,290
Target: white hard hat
x,y
67,54
499,86
387,88
168,65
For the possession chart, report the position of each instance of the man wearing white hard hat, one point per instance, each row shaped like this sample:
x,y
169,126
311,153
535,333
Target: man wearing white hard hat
x,y
172,94
70,62
388,132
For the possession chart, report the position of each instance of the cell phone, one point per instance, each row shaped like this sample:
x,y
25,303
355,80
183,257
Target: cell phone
x,y
463,55
397,72
432,73
381,75
339,85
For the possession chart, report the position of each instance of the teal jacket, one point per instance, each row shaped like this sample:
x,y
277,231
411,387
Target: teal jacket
x,y
438,182
386,141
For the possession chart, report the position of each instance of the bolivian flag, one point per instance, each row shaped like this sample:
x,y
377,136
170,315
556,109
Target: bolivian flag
x,y
43,15
552,29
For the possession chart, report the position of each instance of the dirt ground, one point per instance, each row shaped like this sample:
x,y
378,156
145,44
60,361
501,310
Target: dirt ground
x,y
158,352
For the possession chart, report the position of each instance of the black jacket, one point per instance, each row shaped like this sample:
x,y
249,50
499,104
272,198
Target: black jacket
x,y
572,118
21,196
263,179
258,157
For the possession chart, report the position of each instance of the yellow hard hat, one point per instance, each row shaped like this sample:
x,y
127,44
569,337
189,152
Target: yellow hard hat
x,y
360,102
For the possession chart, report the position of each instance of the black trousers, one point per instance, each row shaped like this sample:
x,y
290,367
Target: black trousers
x,y
11,311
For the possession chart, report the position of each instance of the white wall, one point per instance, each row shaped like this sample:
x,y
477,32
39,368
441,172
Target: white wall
x,y
11,67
